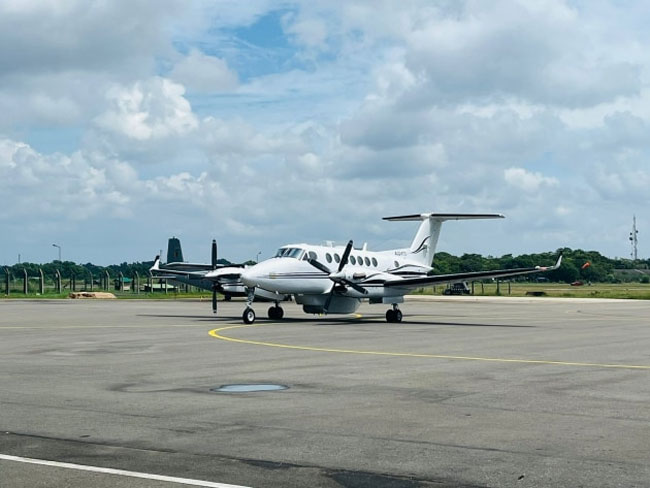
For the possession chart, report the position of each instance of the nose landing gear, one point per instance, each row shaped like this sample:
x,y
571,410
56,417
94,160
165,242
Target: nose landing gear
x,y
249,314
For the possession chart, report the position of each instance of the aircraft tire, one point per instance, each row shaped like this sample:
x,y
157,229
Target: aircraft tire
x,y
248,316
390,316
397,314
276,312
227,298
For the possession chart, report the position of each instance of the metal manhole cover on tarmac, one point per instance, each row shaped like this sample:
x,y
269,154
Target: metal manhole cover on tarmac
x,y
245,388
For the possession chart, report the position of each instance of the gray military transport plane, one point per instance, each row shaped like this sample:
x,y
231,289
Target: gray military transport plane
x,y
215,277
175,263
336,279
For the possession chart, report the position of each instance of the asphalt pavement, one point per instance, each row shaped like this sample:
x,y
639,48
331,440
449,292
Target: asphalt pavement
x,y
464,392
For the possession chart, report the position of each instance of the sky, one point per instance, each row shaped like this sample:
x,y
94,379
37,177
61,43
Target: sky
x,y
262,123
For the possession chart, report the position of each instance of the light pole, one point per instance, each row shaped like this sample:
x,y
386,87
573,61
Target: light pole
x,y
257,258
59,248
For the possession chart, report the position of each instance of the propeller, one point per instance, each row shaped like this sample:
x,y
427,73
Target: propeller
x,y
214,285
338,277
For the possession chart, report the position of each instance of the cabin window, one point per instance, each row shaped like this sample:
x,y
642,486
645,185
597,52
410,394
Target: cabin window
x,y
294,252
337,258
353,260
374,262
367,261
397,264
289,252
328,257
313,255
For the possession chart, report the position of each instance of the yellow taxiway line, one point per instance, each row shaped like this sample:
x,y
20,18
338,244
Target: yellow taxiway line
x,y
216,333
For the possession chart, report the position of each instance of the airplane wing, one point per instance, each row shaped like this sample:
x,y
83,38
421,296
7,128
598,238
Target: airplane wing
x,y
190,267
187,267
474,275
223,272
156,270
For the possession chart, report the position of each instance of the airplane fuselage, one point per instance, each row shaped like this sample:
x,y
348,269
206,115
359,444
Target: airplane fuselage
x,y
330,279
289,272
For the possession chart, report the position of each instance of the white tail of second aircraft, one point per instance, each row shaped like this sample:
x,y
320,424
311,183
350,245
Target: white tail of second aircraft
x,y
424,244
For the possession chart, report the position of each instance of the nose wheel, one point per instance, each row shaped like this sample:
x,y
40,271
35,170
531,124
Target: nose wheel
x,y
248,316
394,315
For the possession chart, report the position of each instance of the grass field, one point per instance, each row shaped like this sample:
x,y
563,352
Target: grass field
x,y
126,295
638,291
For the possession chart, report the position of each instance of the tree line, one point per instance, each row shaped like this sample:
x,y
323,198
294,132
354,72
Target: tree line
x,y
577,265
574,266
69,269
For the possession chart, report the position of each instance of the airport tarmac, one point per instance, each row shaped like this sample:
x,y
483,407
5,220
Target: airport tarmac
x,y
463,393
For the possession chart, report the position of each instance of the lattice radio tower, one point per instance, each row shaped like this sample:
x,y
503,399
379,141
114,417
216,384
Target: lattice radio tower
x,y
634,240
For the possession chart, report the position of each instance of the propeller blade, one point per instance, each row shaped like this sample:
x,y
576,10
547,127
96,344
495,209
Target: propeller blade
x,y
346,255
319,266
360,289
214,254
329,299
214,299
339,281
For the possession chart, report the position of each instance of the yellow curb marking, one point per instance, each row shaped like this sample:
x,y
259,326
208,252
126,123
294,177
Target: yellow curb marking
x,y
216,333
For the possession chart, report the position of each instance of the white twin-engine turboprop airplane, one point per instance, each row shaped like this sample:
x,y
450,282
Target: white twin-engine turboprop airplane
x,y
330,279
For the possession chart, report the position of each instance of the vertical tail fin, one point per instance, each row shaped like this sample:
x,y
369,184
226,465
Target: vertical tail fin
x,y
174,251
424,244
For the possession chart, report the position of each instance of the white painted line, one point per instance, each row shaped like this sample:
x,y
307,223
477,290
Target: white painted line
x,y
118,472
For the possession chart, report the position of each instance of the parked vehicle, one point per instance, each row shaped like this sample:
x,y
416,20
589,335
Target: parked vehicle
x,y
457,289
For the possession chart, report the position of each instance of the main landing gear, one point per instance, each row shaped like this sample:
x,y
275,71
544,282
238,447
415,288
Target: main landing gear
x,y
276,312
394,314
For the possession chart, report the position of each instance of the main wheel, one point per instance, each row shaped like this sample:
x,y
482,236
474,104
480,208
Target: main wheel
x,y
248,316
390,315
227,298
398,315
272,313
275,312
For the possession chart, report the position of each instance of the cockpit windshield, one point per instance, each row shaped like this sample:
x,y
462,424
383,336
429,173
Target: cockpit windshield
x,y
289,252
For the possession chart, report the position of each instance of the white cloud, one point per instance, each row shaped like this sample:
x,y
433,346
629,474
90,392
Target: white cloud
x,y
205,74
154,109
354,109
526,180
310,32
53,36
59,186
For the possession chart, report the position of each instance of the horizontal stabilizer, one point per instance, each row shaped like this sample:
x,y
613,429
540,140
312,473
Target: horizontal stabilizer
x,y
442,217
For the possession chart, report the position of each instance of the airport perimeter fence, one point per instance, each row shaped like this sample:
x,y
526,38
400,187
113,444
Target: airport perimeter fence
x,y
21,283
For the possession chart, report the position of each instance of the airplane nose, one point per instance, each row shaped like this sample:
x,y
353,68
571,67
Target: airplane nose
x,y
250,277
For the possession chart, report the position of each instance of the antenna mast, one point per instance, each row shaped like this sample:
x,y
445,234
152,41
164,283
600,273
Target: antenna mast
x,y
634,239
